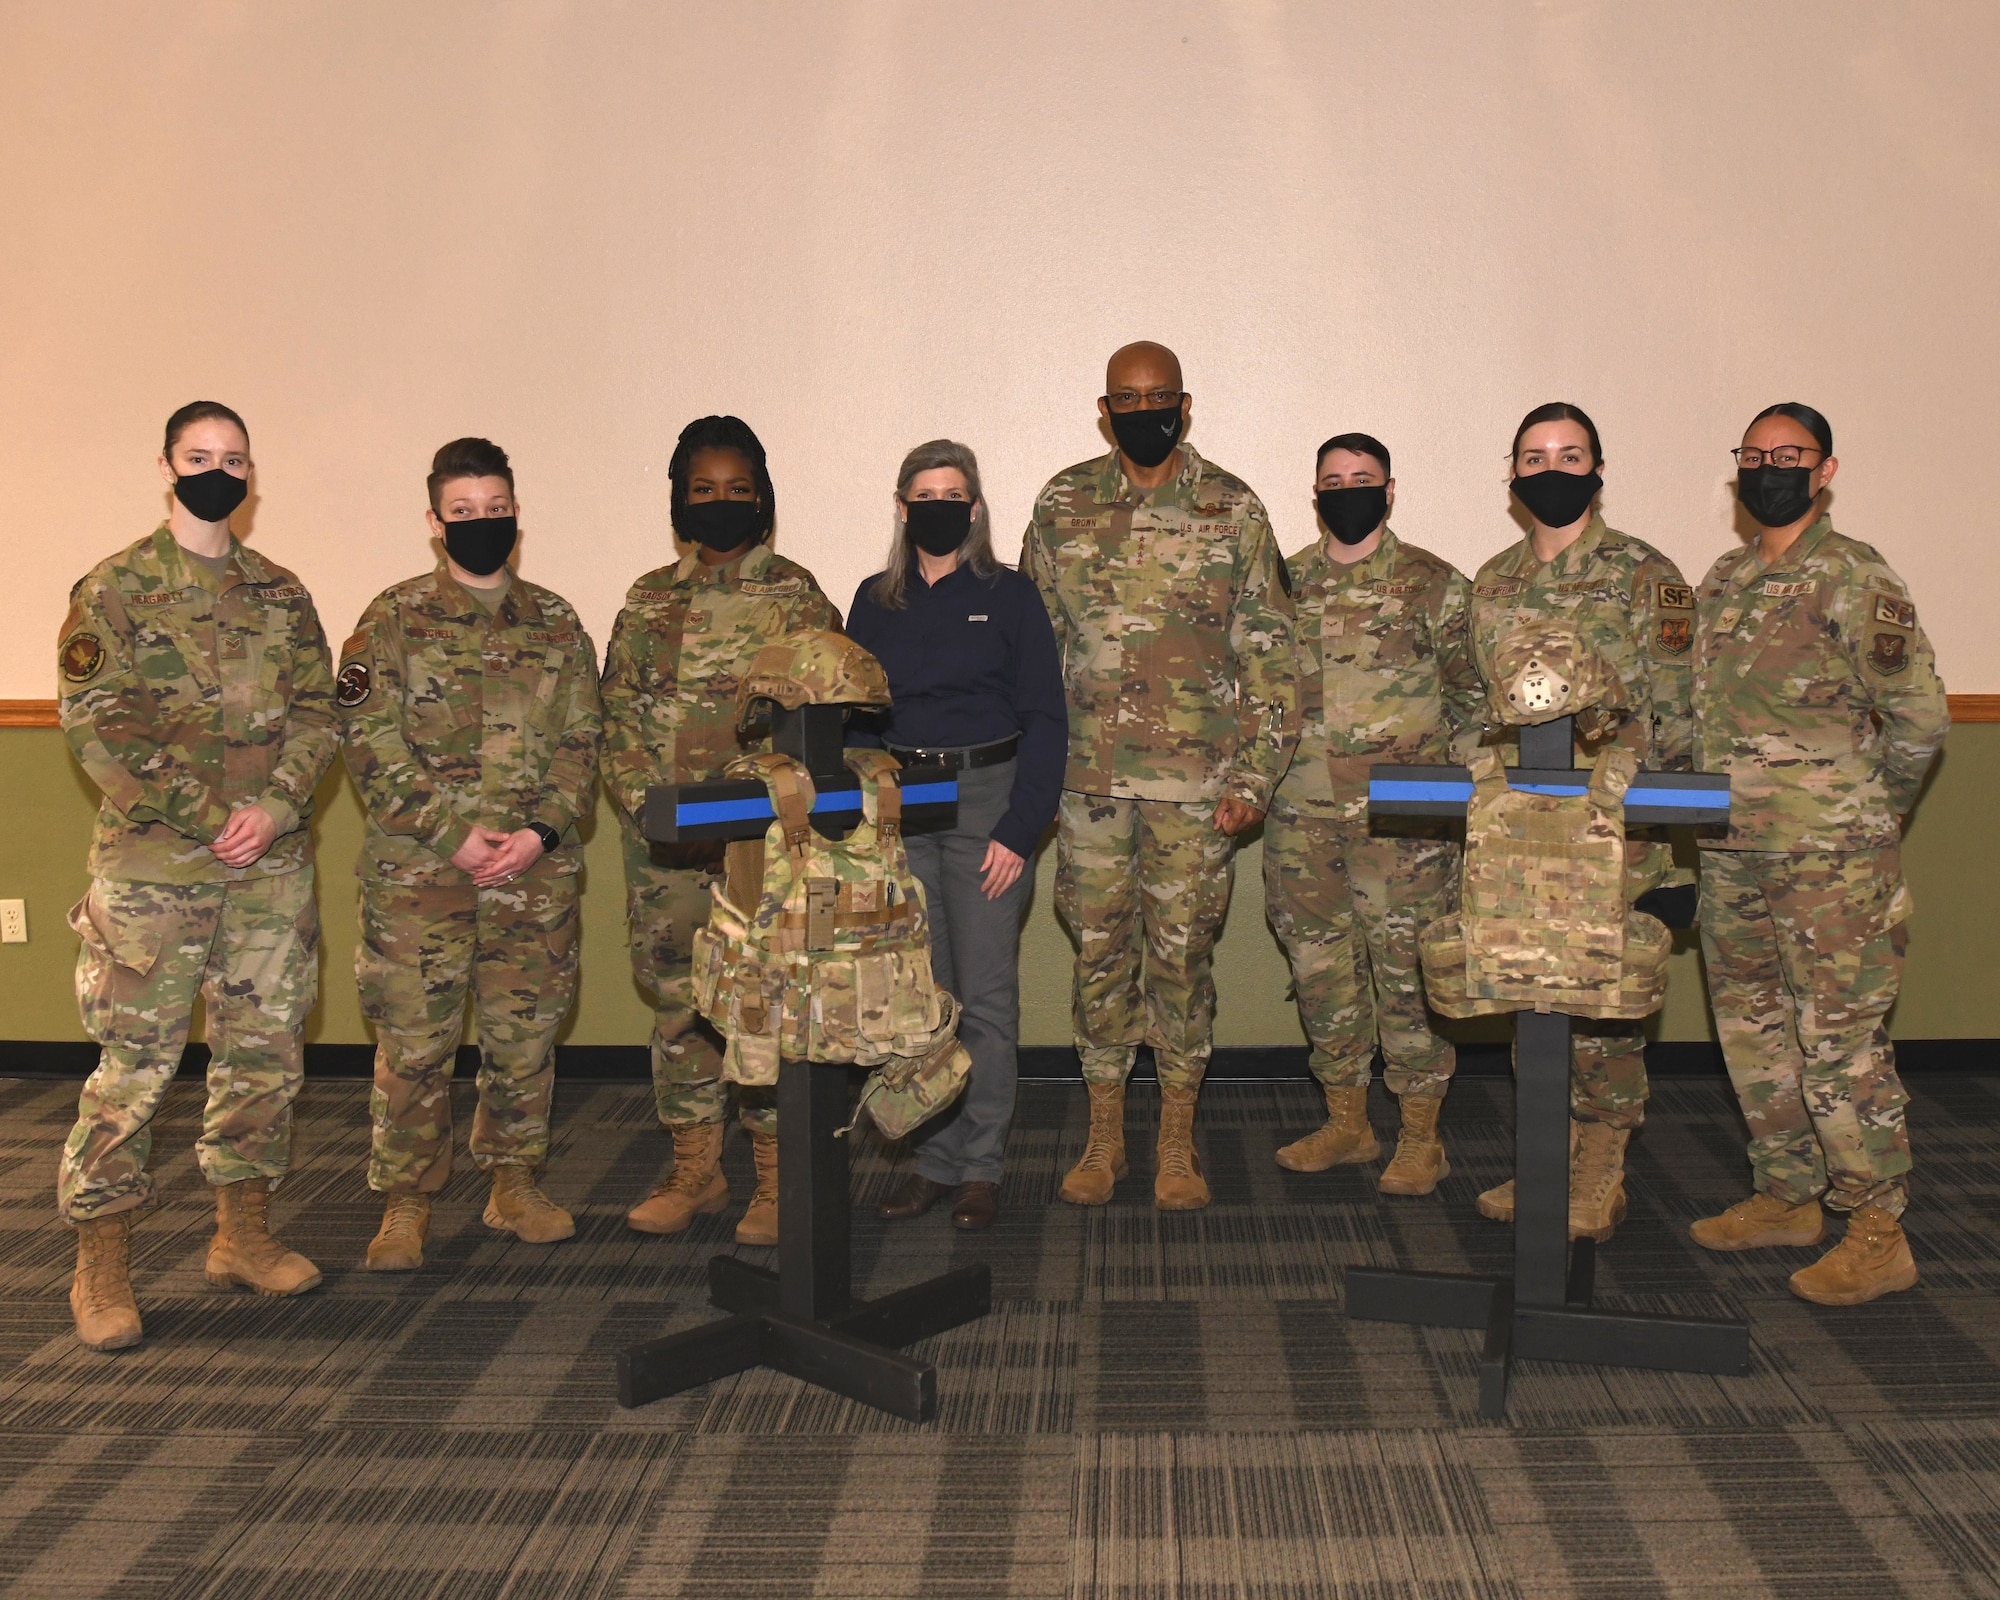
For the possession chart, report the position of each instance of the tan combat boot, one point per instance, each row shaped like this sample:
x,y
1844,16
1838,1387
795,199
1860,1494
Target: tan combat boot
x,y
1871,1260
760,1217
1344,1137
1597,1180
1419,1160
1498,1202
398,1245
696,1186
100,1295
243,1251
1090,1181
1177,1181
1760,1221
518,1206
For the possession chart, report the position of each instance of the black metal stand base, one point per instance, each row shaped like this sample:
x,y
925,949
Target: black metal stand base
x,y
802,1319
1544,1312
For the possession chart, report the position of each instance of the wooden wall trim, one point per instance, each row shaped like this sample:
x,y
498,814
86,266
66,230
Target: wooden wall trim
x,y
28,714
42,713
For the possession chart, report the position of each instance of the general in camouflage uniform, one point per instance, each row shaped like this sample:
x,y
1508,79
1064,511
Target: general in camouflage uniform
x,y
1168,598
1817,692
195,693
686,635
1385,673
1628,604
471,726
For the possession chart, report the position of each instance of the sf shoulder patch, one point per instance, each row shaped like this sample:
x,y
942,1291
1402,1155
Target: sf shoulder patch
x,y
81,657
352,686
1896,613
1890,653
1676,635
1676,597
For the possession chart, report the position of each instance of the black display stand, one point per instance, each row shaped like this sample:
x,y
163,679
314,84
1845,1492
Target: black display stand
x,y
1543,1311
803,1318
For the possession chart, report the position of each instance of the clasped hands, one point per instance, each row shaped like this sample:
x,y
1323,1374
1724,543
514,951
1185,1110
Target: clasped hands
x,y
494,858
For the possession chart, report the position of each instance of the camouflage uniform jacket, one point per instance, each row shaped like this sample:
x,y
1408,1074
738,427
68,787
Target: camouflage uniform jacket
x,y
685,635
456,719
1816,691
1175,628
184,698
1385,670
1629,603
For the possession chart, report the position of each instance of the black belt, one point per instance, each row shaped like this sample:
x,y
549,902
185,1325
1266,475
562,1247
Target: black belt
x,y
985,755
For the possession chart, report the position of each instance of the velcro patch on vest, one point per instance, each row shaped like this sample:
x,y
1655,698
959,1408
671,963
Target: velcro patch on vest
x,y
430,633
160,597
281,591
1786,588
1499,588
552,636
1676,635
82,657
1890,653
1896,613
1676,597
352,687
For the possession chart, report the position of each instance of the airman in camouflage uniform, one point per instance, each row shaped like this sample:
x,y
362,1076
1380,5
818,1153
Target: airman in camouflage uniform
x,y
195,693
1629,604
1385,673
686,635
471,713
1817,692
1168,598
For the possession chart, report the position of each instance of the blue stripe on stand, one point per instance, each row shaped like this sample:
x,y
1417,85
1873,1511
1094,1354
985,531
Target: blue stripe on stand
x,y
931,794
696,813
1637,795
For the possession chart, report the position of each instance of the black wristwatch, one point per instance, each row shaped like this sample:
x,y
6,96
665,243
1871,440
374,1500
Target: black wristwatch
x,y
549,837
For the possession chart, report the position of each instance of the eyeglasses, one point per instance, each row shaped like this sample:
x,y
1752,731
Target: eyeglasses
x,y
1144,400
1786,455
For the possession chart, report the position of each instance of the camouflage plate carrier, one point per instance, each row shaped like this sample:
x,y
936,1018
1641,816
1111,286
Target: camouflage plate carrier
x,y
819,949
1544,923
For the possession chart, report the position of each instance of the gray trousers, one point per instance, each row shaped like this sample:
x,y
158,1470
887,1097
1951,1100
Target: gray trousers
x,y
976,954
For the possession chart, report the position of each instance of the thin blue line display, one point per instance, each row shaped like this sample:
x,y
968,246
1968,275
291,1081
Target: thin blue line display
x,y
757,808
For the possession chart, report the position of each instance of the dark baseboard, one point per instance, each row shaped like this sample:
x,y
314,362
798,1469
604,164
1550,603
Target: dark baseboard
x,y
630,1063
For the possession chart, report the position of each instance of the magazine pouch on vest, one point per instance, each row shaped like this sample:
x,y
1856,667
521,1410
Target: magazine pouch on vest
x,y
1544,924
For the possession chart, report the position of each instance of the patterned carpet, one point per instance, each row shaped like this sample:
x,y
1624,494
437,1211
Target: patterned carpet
x,y
1158,1405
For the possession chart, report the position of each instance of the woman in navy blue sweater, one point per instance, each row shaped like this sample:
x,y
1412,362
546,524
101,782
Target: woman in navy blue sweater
x,y
977,685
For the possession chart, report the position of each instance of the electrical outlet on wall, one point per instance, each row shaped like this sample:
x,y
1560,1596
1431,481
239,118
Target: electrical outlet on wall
x,y
13,922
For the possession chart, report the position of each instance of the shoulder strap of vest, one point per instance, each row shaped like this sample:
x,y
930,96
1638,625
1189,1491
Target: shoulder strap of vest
x,y
791,790
1612,776
878,770
1489,771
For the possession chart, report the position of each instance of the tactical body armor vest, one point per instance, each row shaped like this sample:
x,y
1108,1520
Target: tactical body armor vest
x,y
1544,924
819,950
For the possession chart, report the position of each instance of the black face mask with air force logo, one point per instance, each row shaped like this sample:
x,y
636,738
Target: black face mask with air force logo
x,y
1147,436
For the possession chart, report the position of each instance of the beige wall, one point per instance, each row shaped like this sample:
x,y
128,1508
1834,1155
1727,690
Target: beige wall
x,y
372,226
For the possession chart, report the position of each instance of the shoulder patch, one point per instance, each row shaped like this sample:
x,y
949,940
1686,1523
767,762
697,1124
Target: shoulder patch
x,y
352,687
1675,635
81,657
1896,613
1675,596
1499,588
1890,653
1786,588
357,643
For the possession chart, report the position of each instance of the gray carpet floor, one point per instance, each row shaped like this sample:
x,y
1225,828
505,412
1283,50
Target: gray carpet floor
x,y
1158,1404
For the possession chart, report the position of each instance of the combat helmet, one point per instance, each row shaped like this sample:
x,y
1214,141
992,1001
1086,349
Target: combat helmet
x,y
813,667
1541,670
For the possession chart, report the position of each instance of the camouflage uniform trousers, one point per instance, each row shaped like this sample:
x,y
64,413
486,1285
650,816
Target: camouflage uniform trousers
x,y
1143,885
514,947
1348,906
663,906
251,949
1804,953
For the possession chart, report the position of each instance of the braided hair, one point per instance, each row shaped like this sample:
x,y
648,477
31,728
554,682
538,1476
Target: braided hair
x,y
720,433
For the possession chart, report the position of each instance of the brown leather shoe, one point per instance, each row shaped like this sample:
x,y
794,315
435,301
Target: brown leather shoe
x,y
975,1205
917,1196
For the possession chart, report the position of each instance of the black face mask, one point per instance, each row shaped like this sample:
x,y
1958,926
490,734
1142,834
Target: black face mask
x,y
211,496
1351,515
481,545
1776,496
1556,499
938,527
720,524
1148,437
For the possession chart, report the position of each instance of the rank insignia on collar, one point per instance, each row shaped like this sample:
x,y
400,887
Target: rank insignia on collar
x,y
1890,655
352,686
82,657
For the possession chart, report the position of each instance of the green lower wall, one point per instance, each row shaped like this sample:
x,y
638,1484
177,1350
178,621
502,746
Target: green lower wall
x,y
1950,992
